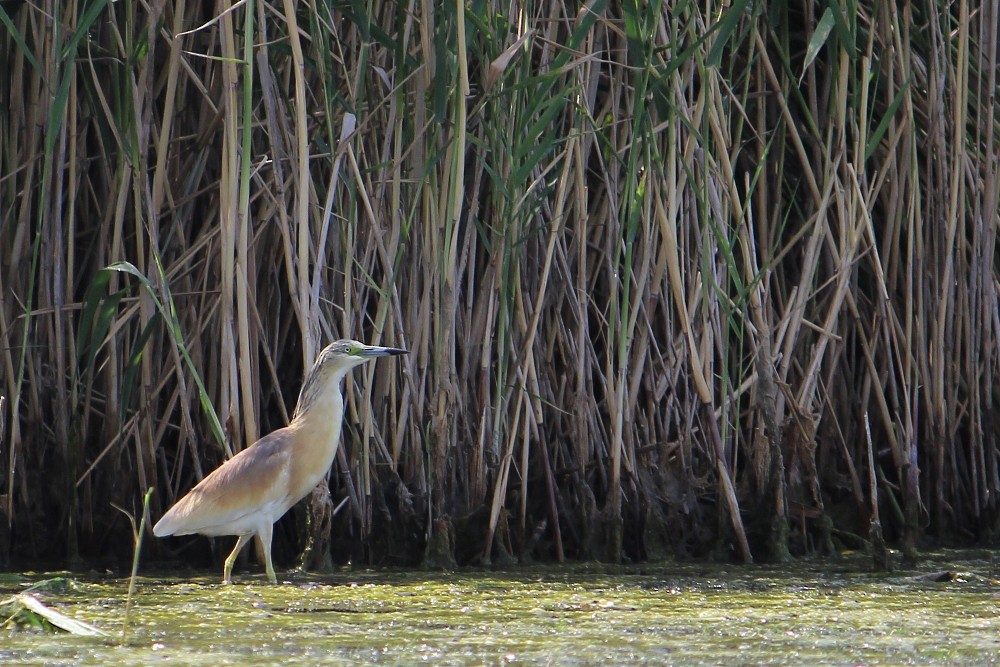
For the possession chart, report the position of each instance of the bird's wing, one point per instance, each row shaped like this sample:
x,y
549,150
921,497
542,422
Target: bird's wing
x,y
225,502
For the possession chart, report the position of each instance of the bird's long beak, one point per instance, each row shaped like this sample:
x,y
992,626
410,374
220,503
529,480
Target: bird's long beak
x,y
376,351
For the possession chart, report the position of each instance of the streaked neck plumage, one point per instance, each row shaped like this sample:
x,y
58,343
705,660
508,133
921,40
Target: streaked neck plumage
x,y
321,391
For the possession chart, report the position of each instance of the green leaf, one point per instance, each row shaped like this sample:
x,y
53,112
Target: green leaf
x,y
95,294
726,26
844,31
131,375
83,27
68,55
819,38
19,40
883,125
169,314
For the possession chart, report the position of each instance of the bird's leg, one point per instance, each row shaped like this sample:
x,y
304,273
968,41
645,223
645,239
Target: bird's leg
x,y
228,569
264,537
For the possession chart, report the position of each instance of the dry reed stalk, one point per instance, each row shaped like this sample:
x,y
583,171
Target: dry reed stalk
x,y
653,262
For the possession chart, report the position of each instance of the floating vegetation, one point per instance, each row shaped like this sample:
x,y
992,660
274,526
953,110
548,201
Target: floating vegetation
x,y
821,612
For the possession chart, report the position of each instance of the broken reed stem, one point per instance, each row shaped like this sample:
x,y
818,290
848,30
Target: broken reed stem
x,y
881,557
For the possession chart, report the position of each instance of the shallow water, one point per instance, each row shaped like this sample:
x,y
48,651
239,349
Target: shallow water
x,y
829,612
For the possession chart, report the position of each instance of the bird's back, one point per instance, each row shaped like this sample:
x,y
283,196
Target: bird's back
x,y
250,488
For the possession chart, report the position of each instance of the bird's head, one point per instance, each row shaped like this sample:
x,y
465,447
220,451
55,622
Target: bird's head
x,y
347,354
332,364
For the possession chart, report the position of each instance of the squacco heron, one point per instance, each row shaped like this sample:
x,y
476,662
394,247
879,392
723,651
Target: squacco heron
x,y
249,492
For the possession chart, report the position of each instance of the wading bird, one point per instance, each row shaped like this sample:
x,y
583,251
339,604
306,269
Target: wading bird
x,y
249,492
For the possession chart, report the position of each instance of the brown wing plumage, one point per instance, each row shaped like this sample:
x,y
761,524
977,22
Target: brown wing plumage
x,y
239,487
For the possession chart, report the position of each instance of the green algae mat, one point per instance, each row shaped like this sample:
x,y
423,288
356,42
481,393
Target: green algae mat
x,y
945,610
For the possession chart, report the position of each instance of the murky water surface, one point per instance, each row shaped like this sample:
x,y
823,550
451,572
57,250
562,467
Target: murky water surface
x,y
829,612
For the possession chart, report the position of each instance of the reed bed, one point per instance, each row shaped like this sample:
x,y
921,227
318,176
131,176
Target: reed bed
x,y
678,279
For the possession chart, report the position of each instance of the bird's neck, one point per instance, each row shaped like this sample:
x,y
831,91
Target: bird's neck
x,y
316,422
320,396
318,418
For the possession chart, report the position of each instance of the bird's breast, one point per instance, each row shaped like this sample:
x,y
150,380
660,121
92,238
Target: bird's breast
x,y
317,435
